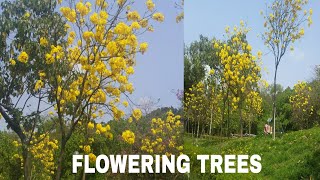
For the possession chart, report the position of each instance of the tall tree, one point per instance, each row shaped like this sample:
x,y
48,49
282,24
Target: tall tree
x,y
23,24
283,23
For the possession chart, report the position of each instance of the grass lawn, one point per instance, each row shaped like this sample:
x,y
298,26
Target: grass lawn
x,y
294,155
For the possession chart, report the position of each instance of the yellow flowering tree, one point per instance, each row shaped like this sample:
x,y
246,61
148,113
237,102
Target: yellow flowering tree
x,y
301,107
239,68
195,107
23,26
163,136
88,76
75,62
284,20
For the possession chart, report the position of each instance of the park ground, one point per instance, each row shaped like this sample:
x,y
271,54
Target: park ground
x,y
293,155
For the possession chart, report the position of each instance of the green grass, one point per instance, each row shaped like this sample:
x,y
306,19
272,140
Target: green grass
x,y
294,155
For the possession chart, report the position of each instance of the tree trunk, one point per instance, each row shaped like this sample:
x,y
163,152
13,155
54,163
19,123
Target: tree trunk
x,y
274,102
61,158
192,129
198,128
26,162
210,124
241,124
228,120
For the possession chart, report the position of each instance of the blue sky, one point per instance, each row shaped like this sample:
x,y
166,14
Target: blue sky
x,y
209,18
160,69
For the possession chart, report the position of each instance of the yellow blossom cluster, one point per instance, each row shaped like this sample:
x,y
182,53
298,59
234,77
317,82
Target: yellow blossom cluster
x,y
43,41
158,17
241,70
23,57
301,98
164,136
302,107
43,149
253,103
128,136
150,5
87,150
137,114
100,129
194,104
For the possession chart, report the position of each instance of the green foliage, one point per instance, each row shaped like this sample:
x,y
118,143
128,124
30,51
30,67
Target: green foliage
x,y
196,56
10,167
294,155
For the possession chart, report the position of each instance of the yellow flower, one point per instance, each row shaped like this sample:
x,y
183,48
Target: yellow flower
x,y
26,15
87,149
158,17
43,41
125,103
23,57
122,29
301,32
15,143
90,125
12,62
130,120
135,25
137,114
108,127
39,84
94,18
92,157
120,2
143,47
99,126
150,5
128,136
133,16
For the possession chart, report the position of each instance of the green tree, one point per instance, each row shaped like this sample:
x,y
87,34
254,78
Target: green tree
x,y
196,56
23,23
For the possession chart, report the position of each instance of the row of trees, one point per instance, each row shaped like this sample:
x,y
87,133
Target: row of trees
x,y
223,87
229,84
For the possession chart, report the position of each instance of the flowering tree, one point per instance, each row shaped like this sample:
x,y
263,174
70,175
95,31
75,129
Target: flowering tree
x,y
301,107
79,64
240,69
283,23
23,24
99,56
195,107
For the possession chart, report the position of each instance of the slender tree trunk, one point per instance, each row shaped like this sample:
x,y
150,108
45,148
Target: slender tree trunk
x,y
210,123
221,129
192,130
188,126
61,158
26,163
274,102
228,119
222,115
198,128
241,123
